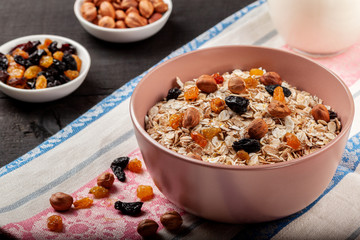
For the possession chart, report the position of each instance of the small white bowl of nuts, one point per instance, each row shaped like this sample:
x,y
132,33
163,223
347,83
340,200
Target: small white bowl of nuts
x,y
122,21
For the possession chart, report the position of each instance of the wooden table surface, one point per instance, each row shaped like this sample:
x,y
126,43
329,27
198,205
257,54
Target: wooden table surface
x,y
23,126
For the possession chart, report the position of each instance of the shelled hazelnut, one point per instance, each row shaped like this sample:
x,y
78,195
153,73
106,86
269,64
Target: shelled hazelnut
x,y
123,13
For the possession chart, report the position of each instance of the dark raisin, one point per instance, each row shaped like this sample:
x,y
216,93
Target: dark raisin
x,y
247,144
128,208
54,83
237,104
31,83
67,48
34,58
70,62
3,76
332,114
22,61
270,89
173,93
17,82
33,48
3,62
60,66
121,162
118,166
63,79
53,47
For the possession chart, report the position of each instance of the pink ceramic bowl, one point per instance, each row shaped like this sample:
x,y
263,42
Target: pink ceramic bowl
x,y
238,194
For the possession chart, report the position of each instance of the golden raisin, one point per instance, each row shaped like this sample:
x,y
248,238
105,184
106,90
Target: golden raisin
x,y
242,155
15,72
199,138
292,141
191,94
46,61
211,132
78,61
54,223
175,120
41,82
32,72
144,192
83,203
218,78
251,82
99,192
58,55
72,74
20,52
46,44
279,94
256,71
217,105
134,165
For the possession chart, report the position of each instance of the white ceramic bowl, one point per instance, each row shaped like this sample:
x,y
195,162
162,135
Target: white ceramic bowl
x,y
53,93
122,35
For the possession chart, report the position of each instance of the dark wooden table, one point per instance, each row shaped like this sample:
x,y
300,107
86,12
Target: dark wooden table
x,y
23,126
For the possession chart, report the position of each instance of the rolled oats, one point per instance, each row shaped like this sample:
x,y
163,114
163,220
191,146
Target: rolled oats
x,y
274,149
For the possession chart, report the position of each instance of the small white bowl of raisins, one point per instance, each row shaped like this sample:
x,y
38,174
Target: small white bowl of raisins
x,y
42,68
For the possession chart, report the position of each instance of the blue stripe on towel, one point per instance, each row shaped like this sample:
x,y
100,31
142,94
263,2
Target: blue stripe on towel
x,y
350,161
120,95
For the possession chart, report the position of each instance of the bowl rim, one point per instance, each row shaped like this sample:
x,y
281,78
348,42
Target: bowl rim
x,y
344,131
83,72
121,30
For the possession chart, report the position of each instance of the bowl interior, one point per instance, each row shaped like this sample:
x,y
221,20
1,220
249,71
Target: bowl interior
x,y
296,70
65,88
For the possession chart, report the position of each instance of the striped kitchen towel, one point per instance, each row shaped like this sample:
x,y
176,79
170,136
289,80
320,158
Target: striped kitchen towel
x,y
71,160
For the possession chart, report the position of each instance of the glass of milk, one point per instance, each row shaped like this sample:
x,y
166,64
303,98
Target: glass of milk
x,y
317,27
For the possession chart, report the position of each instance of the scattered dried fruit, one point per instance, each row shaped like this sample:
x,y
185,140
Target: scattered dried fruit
x,y
129,208
99,192
173,93
54,223
279,94
217,105
135,165
191,94
144,192
118,166
247,144
199,139
85,202
237,104
292,141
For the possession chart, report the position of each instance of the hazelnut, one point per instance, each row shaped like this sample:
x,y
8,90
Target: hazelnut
x,y
106,180
155,17
146,8
236,85
160,7
120,15
107,22
320,112
125,4
206,83
171,220
191,118
61,201
99,2
120,24
116,5
147,228
135,20
271,78
132,9
257,128
107,9
88,11
278,109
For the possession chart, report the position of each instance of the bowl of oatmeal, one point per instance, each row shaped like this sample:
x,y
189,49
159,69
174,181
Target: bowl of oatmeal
x,y
241,134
